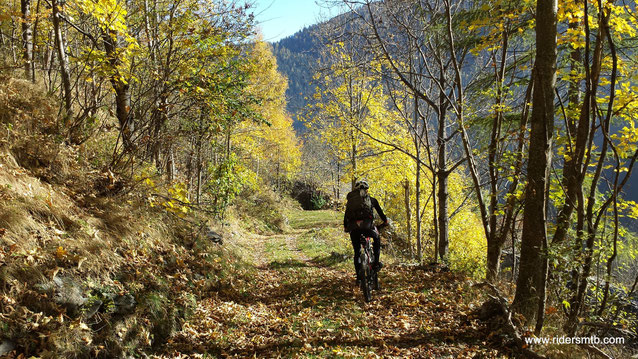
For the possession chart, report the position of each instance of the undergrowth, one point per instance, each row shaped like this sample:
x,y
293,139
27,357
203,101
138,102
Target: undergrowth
x,y
88,268
261,211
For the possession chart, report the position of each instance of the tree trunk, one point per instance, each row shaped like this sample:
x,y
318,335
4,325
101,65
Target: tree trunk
x,y
435,218
27,39
171,172
408,213
122,110
592,217
417,181
443,221
12,37
35,41
338,180
442,194
159,118
511,210
121,88
60,45
495,242
458,107
48,58
574,170
435,225
353,159
417,184
530,286
199,168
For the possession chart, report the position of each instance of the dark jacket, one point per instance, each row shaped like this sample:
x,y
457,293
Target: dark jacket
x,y
375,204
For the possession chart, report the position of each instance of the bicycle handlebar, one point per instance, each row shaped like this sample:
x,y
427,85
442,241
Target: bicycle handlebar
x,y
383,225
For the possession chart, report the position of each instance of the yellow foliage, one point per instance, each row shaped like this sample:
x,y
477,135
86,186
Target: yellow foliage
x,y
173,199
60,252
350,108
271,146
364,136
468,246
111,17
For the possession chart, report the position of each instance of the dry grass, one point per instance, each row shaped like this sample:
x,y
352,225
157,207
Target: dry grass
x,y
25,105
110,244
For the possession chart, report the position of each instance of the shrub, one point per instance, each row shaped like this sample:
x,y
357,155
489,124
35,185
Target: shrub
x,y
317,201
468,245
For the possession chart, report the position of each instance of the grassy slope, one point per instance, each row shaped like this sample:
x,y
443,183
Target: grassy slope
x,y
62,218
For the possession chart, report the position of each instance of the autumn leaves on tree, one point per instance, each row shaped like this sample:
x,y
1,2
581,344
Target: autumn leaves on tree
x,y
530,104
196,95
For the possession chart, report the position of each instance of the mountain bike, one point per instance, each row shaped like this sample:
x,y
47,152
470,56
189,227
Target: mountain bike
x,y
368,273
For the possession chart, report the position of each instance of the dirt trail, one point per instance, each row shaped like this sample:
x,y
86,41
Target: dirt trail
x,y
291,243
298,304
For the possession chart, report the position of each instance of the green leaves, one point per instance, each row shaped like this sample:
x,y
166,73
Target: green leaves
x,y
226,180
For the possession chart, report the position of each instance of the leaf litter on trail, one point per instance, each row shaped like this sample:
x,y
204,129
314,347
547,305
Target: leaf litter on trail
x,y
319,312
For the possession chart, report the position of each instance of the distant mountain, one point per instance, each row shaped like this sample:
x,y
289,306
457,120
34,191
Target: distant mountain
x,y
297,56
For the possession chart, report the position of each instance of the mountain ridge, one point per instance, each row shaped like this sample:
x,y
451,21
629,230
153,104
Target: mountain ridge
x,y
296,55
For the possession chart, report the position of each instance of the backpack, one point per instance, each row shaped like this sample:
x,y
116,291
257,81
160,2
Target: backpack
x,y
359,205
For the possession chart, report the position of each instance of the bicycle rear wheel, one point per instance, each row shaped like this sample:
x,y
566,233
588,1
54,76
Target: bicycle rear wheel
x,y
366,274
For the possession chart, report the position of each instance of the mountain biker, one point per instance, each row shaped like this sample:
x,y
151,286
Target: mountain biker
x,y
358,219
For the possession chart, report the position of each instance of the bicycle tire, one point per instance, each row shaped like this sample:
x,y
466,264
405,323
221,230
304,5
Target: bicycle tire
x,y
365,275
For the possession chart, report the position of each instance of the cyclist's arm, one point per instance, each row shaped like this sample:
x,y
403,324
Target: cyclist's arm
x,y
377,207
345,222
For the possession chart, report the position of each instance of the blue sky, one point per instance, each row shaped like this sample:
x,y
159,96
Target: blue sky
x,y
281,18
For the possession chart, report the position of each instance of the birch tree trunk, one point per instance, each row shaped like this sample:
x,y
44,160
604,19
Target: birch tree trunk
x,y
442,194
27,39
60,46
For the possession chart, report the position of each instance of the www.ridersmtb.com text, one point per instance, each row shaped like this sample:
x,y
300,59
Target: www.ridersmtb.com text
x,y
591,340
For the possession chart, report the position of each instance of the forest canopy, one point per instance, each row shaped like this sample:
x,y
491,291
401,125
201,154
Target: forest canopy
x,y
491,124
183,93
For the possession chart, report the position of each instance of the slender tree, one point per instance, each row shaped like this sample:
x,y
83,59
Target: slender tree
x,y
530,285
63,59
27,39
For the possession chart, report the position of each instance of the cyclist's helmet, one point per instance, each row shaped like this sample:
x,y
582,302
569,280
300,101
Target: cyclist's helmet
x,y
361,185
